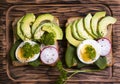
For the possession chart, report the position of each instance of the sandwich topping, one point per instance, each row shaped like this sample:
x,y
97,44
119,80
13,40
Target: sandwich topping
x,y
88,51
49,55
34,32
82,35
89,36
27,51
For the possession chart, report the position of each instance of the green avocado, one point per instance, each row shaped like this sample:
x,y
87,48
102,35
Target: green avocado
x,y
38,32
49,27
94,22
74,31
103,23
25,24
87,25
81,30
69,36
58,31
18,30
41,18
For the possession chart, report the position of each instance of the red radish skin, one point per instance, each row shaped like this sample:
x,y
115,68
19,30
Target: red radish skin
x,y
105,46
52,51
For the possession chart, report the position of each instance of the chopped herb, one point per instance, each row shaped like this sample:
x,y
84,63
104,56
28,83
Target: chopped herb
x,y
48,38
29,50
90,51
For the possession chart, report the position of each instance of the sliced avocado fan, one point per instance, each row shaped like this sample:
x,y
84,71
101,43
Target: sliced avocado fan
x,y
94,22
41,18
49,27
69,36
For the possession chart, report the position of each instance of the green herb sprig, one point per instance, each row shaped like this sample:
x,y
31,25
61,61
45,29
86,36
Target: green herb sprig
x,y
62,79
63,73
29,50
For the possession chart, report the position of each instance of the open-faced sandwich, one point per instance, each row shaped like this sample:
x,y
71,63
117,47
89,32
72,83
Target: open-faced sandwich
x,y
36,40
89,41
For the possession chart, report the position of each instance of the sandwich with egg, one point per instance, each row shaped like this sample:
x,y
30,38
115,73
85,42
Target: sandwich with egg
x,y
89,40
35,40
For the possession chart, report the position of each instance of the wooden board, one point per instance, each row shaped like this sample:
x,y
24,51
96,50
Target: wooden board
x,y
63,12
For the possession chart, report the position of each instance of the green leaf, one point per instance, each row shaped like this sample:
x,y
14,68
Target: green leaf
x,y
13,49
80,64
101,62
35,63
69,56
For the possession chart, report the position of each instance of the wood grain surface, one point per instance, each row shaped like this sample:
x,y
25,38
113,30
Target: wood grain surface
x,y
114,5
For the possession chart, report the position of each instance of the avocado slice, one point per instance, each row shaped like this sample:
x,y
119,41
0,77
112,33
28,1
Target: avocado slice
x,y
74,31
25,24
38,32
40,18
87,25
49,27
58,31
94,22
81,30
19,32
69,36
104,22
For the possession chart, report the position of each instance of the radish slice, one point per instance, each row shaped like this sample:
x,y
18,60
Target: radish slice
x,y
105,46
49,55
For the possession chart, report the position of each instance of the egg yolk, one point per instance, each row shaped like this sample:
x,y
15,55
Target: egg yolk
x,y
20,55
88,53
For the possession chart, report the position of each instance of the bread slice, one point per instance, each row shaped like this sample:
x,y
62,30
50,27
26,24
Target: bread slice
x,y
14,25
109,57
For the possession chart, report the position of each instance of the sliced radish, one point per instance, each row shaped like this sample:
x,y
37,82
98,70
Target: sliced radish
x,y
105,46
49,55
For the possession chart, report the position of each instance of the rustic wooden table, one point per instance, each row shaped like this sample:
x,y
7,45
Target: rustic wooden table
x,y
114,5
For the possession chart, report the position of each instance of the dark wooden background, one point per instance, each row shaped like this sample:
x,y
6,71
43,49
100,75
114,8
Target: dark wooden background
x,y
114,5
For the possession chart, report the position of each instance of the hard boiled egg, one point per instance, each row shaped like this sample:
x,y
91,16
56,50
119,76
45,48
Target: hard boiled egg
x,y
19,53
88,51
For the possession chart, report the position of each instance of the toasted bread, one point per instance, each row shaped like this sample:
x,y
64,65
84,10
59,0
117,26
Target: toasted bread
x,y
14,24
108,36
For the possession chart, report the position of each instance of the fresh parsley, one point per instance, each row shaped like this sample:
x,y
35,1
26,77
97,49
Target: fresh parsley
x,y
29,50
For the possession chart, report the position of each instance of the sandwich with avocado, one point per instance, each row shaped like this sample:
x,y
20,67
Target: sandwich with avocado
x,y
35,40
89,41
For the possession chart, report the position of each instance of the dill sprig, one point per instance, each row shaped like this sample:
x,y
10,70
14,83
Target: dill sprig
x,y
63,77
63,74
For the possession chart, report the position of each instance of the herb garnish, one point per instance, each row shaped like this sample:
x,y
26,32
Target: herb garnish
x,y
48,38
29,50
62,79
90,51
63,73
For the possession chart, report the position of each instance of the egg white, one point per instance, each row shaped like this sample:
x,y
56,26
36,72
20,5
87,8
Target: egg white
x,y
23,59
94,44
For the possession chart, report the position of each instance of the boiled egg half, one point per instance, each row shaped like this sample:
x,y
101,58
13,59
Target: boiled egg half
x,y
19,53
88,51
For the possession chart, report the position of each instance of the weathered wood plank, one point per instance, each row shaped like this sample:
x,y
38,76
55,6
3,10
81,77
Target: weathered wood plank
x,y
110,2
